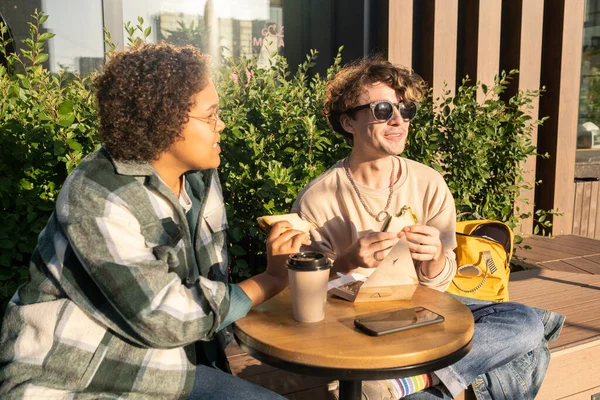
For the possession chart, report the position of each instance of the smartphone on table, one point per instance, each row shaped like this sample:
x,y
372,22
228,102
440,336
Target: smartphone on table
x,y
397,320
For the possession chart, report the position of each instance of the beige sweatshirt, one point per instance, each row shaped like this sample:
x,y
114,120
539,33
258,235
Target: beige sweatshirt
x,y
332,205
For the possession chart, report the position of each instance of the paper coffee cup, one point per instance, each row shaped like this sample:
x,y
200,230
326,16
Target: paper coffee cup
x,y
308,274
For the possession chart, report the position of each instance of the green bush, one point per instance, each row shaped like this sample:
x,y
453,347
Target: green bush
x,y
478,145
275,142
47,124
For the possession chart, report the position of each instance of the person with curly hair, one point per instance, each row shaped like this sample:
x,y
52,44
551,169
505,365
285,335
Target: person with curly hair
x,y
128,292
371,103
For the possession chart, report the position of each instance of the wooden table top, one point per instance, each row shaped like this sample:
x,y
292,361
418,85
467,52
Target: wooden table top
x,y
270,329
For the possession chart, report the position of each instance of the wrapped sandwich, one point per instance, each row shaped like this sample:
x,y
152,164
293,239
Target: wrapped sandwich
x,y
298,223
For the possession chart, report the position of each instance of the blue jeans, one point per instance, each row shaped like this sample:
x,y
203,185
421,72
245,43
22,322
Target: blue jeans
x,y
514,337
213,384
503,332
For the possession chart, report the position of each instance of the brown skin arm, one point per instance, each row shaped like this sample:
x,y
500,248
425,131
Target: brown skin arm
x,y
281,242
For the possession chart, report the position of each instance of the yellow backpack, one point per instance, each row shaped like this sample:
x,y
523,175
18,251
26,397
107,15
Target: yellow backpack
x,y
483,253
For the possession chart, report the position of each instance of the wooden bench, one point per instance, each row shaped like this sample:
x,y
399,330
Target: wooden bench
x,y
564,277
574,371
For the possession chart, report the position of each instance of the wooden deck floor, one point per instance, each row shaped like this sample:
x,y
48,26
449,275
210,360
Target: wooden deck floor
x,y
563,275
568,253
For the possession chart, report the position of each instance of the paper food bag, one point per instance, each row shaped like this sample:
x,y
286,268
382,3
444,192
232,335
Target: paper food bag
x,y
394,279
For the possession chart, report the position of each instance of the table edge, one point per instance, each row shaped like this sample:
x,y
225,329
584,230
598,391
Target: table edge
x,y
356,373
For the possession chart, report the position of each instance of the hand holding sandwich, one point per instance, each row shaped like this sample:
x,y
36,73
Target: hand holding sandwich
x,y
425,246
423,242
281,242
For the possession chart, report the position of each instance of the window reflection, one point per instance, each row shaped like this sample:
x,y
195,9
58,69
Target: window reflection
x,y
221,28
78,45
588,135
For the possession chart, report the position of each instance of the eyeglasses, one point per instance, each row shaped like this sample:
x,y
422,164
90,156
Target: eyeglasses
x,y
383,110
211,120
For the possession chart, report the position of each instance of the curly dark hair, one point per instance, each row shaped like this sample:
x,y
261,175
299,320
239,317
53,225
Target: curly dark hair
x,y
144,95
343,91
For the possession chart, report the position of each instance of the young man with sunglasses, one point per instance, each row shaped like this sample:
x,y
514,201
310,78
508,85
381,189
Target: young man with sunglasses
x,y
371,103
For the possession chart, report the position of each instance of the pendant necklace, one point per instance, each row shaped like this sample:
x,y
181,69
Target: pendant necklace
x,y
383,214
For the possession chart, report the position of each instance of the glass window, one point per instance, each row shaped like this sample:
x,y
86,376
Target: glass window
x,y
78,45
588,134
221,28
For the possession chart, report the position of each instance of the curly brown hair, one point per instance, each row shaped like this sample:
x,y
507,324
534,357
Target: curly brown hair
x,y
144,95
343,91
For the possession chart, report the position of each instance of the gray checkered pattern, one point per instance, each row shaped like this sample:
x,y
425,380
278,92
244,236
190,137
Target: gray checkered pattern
x,y
115,303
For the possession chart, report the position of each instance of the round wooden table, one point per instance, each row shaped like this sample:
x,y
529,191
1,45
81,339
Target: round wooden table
x,y
334,348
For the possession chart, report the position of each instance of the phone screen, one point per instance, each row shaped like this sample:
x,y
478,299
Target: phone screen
x,y
398,320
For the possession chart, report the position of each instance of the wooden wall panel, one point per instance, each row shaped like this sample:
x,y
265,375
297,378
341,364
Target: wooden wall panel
x,y
561,69
423,39
568,114
468,37
529,79
444,45
585,212
577,209
521,49
594,209
400,32
586,207
540,38
488,43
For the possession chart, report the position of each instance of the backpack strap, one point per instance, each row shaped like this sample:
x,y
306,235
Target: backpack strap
x,y
489,265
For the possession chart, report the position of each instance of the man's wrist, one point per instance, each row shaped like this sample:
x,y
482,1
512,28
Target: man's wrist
x,y
342,265
432,269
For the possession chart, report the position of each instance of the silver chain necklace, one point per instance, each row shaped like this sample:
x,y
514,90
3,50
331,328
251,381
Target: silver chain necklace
x,y
383,214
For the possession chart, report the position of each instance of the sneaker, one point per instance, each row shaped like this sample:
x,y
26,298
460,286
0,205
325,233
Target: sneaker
x,y
371,390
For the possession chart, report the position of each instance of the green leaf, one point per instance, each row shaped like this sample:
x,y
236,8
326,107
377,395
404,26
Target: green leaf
x,y
66,120
46,36
236,233
40,58
237,250
147,31
74,145
66,107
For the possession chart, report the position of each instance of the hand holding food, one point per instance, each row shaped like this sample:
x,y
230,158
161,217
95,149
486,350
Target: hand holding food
x,y
282,241
396,223
424,243
297,223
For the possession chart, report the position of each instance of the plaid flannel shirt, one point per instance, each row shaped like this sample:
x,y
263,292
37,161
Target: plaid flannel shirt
x,y
114,304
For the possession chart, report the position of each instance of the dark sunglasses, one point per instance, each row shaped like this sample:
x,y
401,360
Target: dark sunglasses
x,y
383,110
